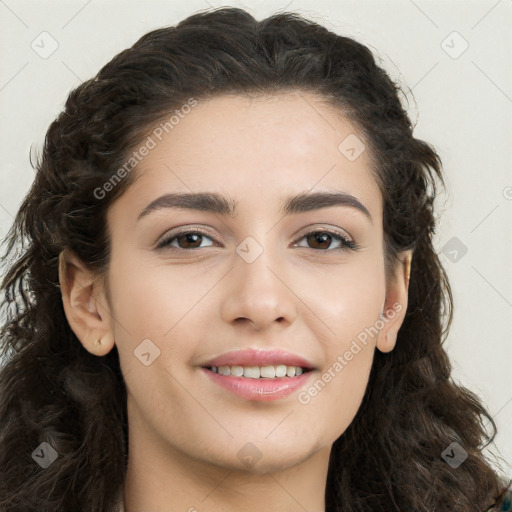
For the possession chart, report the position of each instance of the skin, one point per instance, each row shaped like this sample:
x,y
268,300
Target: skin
x,y
185,432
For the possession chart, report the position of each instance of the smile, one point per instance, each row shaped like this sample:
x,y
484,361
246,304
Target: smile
x,y
257,383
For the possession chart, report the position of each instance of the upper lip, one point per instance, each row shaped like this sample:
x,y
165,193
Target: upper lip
x,y
255,357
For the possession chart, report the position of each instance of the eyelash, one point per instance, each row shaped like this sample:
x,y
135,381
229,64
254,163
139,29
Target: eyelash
x,y
346,243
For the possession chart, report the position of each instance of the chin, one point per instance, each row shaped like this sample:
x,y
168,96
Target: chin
x,y
263,457
269,464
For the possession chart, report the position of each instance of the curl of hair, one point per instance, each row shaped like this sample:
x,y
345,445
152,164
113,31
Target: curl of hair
x,y
52,390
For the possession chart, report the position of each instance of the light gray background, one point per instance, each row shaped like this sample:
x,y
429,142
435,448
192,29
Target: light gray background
x,y
462,105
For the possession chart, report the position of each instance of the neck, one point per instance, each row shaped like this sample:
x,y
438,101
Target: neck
x,y
166,480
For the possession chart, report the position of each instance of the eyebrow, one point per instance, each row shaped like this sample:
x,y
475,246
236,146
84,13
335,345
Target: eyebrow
x,y
216,203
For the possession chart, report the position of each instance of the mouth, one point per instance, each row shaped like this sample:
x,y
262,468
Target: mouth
x,y
259,383
259,372
260,375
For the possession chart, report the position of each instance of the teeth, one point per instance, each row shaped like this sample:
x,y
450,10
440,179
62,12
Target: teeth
x,y
253,372
256,372
237,371
268,371
281,370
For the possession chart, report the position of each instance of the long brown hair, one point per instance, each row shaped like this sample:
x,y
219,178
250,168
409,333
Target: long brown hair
x,y
53,391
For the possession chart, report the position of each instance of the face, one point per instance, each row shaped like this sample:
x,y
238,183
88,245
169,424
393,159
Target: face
x,y
190,285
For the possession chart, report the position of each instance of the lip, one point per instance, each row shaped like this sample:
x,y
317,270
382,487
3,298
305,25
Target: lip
x,y
261,390
264,389
255,357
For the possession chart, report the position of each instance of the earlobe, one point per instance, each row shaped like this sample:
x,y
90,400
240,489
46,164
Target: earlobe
x,y
81,298
395,304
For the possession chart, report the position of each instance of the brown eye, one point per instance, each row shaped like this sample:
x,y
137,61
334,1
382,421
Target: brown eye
x,y
185,240
190,240
323,239
319,240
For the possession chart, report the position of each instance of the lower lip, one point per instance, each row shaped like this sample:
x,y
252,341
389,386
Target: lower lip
x,y
263,390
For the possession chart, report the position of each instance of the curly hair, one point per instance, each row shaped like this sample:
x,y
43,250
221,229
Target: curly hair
x,y
53,390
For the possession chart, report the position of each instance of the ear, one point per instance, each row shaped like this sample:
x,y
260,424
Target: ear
x,y
395,305
83,298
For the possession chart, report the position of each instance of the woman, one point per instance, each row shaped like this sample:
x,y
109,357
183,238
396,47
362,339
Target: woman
x,y
148,371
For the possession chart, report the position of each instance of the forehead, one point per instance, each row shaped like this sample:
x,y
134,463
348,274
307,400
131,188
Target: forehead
x,y
256,149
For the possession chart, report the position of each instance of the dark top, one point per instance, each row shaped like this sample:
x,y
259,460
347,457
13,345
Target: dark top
x,y
504,502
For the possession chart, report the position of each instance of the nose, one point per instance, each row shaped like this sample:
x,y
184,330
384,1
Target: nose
x,y
259,294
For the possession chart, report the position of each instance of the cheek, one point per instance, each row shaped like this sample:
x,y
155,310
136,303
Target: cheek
x,y
337,392
149,310
149,297
346,311
347,298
